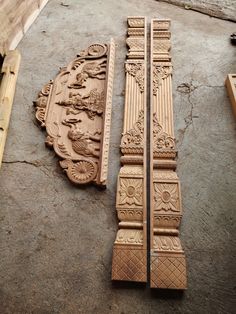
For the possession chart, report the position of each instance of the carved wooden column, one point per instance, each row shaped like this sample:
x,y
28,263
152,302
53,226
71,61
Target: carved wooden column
x,y
168,268
130,251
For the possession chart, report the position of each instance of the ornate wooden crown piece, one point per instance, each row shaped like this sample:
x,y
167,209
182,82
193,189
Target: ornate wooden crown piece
x,y
167,269
75,109
130,247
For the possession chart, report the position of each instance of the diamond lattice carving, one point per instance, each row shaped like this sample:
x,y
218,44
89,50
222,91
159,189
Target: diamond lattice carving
x,y
129,264
168,272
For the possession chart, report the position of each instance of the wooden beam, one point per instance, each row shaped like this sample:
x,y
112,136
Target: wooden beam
x,y
230,84
16,17
9,72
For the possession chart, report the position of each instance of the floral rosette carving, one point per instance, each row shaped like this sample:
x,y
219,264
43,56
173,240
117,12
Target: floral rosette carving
x,y
130,191
132,141
80,172
166,197
94,51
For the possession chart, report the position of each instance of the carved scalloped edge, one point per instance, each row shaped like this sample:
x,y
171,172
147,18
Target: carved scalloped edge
x,y
42,102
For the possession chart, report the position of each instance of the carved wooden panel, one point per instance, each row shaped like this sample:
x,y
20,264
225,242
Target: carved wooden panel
x,y
130,249
8,77
167,269
230,84
75,109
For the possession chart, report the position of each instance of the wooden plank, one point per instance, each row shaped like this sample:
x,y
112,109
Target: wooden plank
x,y
129,261
76,108
16,17
167,265
9,73
230,84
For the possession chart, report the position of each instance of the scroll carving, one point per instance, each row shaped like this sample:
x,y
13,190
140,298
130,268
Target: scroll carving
x,y
75,109
136,70
163,144
129,260
133,140
160,72
167,265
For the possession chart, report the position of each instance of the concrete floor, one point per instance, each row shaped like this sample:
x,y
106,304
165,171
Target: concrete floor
x,y
56,239
224,9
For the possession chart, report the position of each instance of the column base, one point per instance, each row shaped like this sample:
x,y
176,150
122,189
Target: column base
x,y
129,264
168,271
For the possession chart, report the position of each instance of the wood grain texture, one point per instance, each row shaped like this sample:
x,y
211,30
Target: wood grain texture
x,y
16,17
230,84
9,72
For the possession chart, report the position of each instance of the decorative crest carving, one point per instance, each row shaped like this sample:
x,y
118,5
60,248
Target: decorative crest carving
x,y
160,72
137,71
75,109
161,140
132,141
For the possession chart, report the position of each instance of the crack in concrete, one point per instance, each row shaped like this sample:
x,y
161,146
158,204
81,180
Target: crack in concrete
x,y
35,163
188,89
